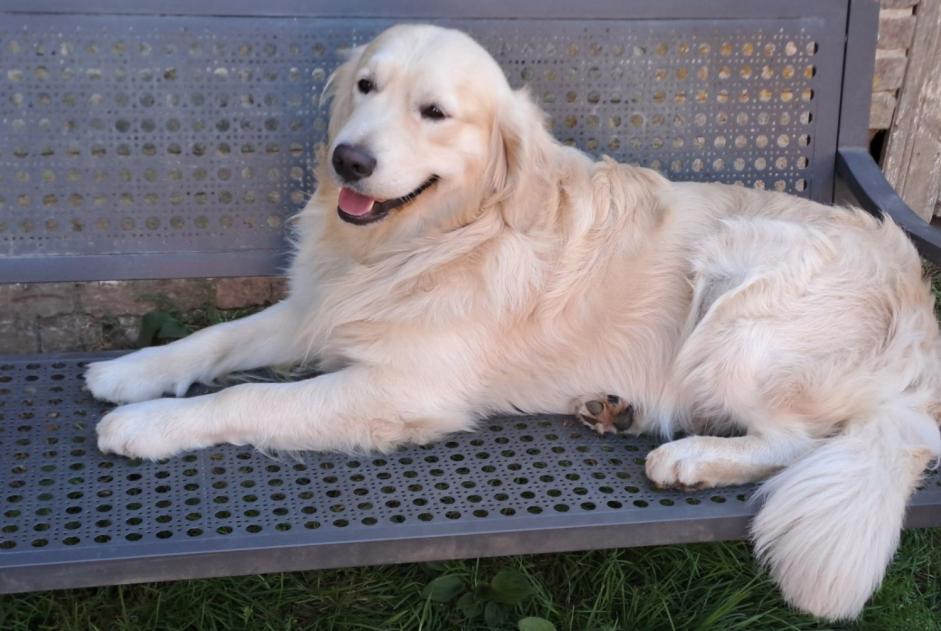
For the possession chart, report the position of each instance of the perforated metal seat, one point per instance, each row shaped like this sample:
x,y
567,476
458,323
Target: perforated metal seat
x,y
143,146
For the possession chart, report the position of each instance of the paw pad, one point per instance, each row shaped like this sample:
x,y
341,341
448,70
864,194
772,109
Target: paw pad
x,y
604,413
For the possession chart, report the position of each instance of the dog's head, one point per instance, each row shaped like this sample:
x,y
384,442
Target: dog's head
x,y
423,127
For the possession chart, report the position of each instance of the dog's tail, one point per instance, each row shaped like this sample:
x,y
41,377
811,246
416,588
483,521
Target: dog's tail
x,y
831,522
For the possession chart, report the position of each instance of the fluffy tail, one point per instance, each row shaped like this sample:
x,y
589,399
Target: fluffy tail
x,y
831,522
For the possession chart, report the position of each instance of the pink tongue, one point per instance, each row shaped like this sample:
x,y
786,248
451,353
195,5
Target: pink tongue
x,y
352,203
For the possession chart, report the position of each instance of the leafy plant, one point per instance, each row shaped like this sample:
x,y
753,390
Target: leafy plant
x,y
532,623
213,316
160,326
494,601
444,588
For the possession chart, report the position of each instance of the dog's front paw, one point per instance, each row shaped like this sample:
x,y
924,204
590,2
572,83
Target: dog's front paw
x,y
151,430
676,465
138,376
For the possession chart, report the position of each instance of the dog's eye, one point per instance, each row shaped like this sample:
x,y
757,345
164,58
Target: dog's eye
x,y
365,86
432,112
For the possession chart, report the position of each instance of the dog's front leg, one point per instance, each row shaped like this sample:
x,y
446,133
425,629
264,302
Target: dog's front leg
x,y
263,339
355,409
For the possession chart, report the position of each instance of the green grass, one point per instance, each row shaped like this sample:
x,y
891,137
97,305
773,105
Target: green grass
x,y
698,587
934,272
706,586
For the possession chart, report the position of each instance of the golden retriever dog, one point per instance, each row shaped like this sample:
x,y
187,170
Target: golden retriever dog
x,y
456,261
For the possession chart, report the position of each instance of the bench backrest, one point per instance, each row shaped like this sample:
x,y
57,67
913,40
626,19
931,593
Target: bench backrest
x,y
175,139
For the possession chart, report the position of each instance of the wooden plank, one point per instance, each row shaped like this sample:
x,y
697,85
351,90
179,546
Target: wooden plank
x,y
931,105
924,176
917,115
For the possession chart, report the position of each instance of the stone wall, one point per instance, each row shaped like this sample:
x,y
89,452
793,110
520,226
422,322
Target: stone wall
x,y
54,317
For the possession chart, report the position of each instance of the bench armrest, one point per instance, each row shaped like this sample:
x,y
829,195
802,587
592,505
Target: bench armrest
x,y
876,195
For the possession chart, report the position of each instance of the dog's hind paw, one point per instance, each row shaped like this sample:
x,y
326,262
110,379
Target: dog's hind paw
x,y
604,413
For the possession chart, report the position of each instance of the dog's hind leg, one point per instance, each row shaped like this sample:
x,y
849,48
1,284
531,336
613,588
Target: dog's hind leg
x,y
698,462
262,339
604,413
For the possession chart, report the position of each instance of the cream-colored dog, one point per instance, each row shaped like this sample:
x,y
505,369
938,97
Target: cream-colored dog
x,y
456,261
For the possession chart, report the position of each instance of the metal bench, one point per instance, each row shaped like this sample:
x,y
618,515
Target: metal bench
x,y
173,139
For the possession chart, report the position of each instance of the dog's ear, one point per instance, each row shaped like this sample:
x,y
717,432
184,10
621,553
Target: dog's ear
x,y
520,144
339,90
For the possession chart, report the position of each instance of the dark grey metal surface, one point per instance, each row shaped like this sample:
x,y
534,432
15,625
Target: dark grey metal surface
x,y
865,180
164,139
860,60
70,516
428,9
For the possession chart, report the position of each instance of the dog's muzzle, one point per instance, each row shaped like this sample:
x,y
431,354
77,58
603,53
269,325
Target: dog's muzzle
x,y
359,209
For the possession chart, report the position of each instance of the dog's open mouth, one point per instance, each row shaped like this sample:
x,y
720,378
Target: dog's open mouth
x,y
359,209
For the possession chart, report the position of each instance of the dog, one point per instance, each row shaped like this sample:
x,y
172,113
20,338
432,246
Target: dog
x,y
456,261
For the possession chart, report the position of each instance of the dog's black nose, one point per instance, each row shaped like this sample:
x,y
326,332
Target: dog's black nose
x,y
353,163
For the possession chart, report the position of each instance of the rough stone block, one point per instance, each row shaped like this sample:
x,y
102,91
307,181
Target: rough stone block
x,y
279,289
114,298
18,337
120,332
889,71
881,110
74,332
43,300
897,4
235,293
896,29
